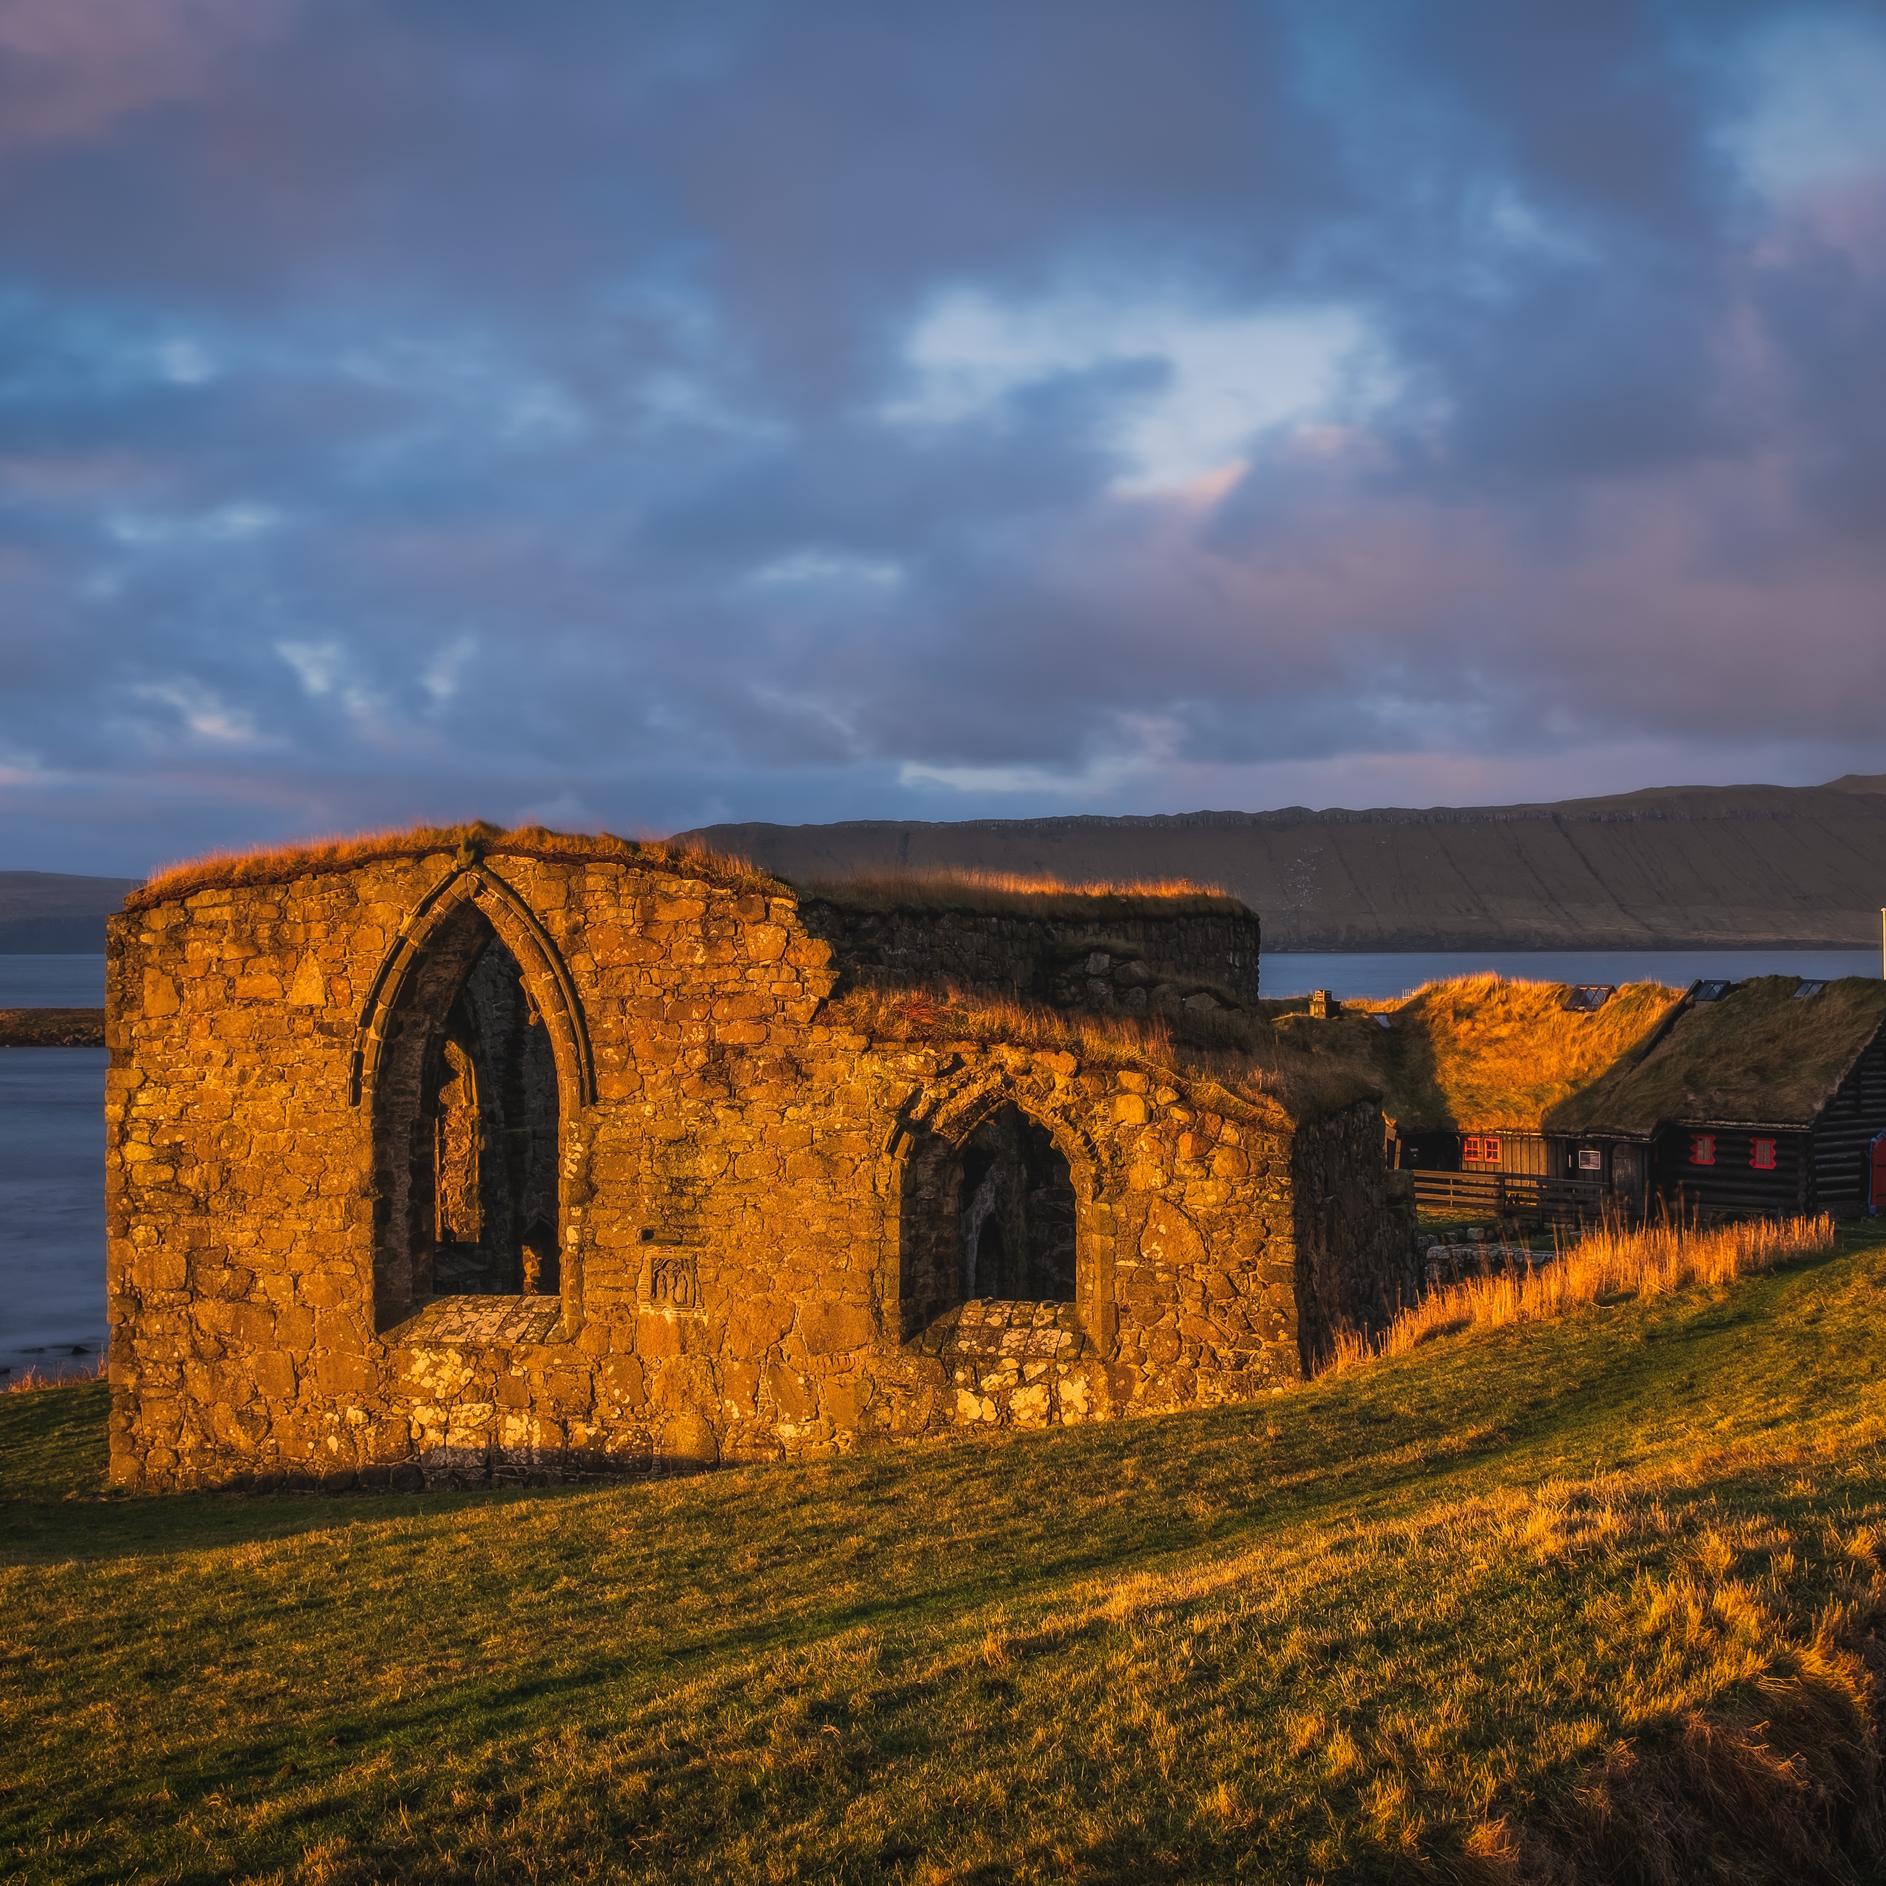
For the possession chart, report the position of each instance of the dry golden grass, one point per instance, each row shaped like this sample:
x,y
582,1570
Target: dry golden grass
x,y
1233,1048
1610,1261
37,1378
281,864
1022,894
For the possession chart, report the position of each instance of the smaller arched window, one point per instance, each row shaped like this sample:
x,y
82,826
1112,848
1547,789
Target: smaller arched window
x,y
1015,1222
990,1216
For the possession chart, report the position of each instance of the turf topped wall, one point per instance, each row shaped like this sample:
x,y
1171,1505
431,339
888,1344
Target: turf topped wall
x,y
471,1161
1138,954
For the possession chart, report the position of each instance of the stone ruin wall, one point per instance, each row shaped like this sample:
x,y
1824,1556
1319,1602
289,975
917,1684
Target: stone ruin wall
x,y
1357,1251
1136,962
733,1173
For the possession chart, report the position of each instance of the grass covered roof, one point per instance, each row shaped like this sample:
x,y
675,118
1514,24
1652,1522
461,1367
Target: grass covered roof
x,y
1763,1055
1008,893
1487,1051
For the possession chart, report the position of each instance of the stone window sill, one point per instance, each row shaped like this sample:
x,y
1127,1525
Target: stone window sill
x,y
992,1326
481,1319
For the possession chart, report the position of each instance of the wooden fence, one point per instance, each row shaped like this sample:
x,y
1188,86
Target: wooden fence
x,y
1519,1195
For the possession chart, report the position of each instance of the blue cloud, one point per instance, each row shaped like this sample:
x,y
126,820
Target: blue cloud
x,y
647,415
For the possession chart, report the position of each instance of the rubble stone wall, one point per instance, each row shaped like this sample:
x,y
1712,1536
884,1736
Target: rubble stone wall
x,y
1103,959
736,1180
1357,1261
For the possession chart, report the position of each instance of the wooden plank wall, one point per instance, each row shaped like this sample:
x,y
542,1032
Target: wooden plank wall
x,y
1732,1186
1845,1132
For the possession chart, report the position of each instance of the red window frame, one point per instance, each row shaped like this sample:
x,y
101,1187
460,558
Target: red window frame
x,y
1761,1153
1480,1149
1702,1149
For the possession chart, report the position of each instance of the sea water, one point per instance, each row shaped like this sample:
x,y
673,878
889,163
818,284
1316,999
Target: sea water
x,y
52,1212
52,981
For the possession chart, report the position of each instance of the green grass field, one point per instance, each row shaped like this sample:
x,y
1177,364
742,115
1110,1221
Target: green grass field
x,y
1589,1600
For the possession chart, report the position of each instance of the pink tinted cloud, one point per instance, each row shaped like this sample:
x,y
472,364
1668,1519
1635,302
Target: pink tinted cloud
x,y
71,69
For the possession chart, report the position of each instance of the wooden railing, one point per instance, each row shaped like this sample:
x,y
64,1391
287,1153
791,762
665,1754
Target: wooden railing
x,y
1508,1195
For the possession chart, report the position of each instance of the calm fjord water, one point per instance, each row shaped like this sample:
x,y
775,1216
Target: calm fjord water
x,y
52,1209
52,1212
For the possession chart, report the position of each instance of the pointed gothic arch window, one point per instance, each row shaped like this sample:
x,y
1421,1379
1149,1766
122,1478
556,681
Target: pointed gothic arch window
x,y
466,1120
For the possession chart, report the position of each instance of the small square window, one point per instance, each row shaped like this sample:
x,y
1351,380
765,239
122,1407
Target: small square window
x,y
1480,1149
1761,1154
1590,1159
1702,1149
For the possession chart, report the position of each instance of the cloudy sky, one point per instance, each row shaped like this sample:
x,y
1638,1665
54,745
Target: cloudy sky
x,y
636,416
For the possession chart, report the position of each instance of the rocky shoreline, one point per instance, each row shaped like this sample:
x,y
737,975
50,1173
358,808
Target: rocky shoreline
x,y
52,1027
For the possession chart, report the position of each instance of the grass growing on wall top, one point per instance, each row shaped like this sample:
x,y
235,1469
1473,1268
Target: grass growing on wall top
x,y
1593,1599
281,864
1233,1047
1025,894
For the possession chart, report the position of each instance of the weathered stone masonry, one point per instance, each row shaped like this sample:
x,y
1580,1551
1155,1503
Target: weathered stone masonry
x,y
1116,957
700,1218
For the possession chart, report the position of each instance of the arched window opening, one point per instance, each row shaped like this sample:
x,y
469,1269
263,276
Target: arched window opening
x,y
1016,1229
492,1098
991,1216
466,1130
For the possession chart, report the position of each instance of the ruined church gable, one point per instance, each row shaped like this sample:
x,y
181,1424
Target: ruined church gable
x,y
534,1161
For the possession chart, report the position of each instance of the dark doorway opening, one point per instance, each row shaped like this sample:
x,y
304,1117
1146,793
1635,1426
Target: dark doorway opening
x,y
991,1216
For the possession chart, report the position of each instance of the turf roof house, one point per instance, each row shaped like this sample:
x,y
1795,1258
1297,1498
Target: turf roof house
x,y
1765,1095
469,1153
1478,1071
1761,1096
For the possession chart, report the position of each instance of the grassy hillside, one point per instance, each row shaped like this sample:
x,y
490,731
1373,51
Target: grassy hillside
x,y
1677,866
56,911
1593,1599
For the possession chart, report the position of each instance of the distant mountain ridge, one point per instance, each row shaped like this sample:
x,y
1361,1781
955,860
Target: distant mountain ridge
x,y
1670,867
56,912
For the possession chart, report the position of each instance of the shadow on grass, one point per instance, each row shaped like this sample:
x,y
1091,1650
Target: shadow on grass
x,y
1552,1398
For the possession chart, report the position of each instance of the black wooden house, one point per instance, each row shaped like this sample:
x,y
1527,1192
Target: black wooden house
x,y
1532,1099
1476,1073
1762,1096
